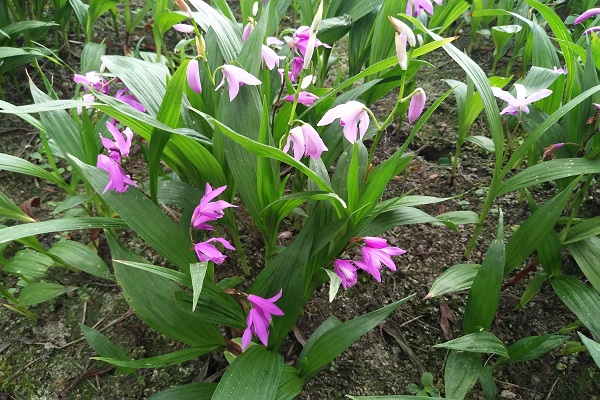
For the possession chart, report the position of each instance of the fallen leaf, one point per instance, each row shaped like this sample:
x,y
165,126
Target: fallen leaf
x,y
446,318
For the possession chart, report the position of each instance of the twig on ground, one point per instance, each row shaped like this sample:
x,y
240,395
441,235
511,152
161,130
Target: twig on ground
x,y
552,388
399,337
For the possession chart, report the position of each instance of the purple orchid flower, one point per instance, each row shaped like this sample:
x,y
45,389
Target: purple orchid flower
x,y
192,74
207,252
416,106
247,31
299,42
306,141
588,14
94,80
353,117
117,179
121,146
592,29
269,57
518,104
274,41
305,98
126,97
259,318
207,211
375,252
235,77
88,98
346,271
414,7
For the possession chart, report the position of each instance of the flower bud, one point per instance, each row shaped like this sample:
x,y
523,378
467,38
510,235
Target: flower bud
x,y
416,106
255,8
400,39
402,27
201,46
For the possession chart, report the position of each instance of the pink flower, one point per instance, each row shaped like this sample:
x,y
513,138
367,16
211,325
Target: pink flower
x,y
306,141
353,117
121,146
305,98
94,80
247,31
269,57
561,70
588,14
89,98
236,77
259,318
207,252
192,74
414,7
592,29
126,97
273,41
375,252
346,271
518,104
299,42
207,211
416,106
183,28
117,179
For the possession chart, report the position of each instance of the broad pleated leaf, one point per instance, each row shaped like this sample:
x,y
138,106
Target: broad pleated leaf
x,y
59,225
478,342
549,171
104,347
190,391
29,265
583,230
254,374
337,339
593,347
460,373
153,299
457,277
531,347
79,256
39,292
581,299
587,255
165,360
143,216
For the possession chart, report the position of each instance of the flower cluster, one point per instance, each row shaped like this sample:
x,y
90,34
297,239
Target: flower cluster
x,y
205,212
375,252
118,180
259,318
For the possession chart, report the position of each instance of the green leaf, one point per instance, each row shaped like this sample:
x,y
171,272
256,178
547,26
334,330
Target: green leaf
x,y
484,295
153,299
549,171
79,256
460,373
583,230
394,397
587,255
478,342
581,299
337,339
198,272
39,292
190,391
593,347
8,209
29,264
290,385
18,165
334,284
229,36
532,289
254,374
103,346
526,239
175,276
325,326
91,56
530,348
58,225
165,360
456,278
143,216
484,142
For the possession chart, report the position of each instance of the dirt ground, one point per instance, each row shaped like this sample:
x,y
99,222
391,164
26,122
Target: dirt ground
x,y
47,358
